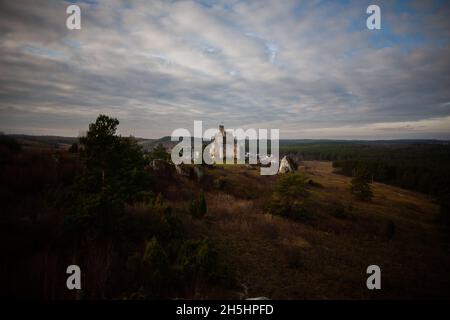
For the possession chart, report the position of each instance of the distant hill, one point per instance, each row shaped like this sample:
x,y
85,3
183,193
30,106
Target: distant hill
x,y
166,141
54,142
44,139
397,142
148,144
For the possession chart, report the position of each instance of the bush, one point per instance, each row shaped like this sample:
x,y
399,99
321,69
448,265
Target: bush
x,y
98,214
290,197
158,153
149,271
157,204
197,259
154,273
155,218
360,186
292,185
155,261
170,228
198,208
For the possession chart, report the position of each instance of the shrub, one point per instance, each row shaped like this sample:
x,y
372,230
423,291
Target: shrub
x,y
292,185
198,208
290,197
99,214
360,186
158,205
197,259
158,153
169,227
149,271
155,260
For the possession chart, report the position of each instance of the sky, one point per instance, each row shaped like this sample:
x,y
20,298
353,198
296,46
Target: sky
x,y
311,69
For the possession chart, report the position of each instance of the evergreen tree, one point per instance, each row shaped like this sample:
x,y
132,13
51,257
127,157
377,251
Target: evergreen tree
x,y
198,207
360,185
113,173
159,152
290,197
111,162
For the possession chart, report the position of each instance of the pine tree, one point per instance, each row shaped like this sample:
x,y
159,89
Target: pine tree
x,y
159,152
360,185
198,207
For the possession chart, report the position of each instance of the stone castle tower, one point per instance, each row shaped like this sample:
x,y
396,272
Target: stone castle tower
x,y
224,146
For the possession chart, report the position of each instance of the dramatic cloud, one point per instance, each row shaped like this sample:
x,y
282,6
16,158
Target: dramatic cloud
x,y
310,68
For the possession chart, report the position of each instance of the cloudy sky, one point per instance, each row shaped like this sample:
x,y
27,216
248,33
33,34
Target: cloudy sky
x,y
310,68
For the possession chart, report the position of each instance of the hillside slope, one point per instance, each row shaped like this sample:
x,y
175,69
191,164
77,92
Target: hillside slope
x,y
325,257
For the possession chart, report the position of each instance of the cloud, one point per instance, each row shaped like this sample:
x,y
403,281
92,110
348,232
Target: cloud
x,y
307,68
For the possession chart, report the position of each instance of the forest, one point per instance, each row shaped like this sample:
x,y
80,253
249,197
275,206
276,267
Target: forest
x,y
422,165
98,206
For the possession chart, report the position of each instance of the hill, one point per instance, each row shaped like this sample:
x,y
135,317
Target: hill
x,y
56,212
325,256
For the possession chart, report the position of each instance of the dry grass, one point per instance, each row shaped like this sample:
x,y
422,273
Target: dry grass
x,y
279,258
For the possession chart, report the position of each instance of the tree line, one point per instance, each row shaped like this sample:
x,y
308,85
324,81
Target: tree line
x,y
418,166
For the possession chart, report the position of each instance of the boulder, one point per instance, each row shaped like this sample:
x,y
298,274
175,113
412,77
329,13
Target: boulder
x,y
286,165
191,171
184,170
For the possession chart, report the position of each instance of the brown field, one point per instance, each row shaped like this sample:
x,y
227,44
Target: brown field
x,y
326,257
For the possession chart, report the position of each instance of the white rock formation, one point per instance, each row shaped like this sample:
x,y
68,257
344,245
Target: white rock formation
x,y
224,145
286,165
